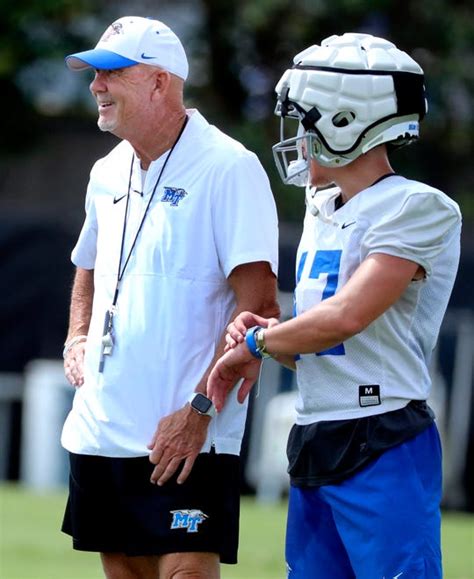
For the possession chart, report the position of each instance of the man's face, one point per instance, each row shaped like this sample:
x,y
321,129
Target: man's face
x,y
123,98
319,176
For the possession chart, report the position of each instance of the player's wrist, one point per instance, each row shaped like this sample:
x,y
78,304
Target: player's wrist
x,y
255,341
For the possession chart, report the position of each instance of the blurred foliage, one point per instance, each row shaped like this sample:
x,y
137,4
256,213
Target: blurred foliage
x,y
240,49
31,31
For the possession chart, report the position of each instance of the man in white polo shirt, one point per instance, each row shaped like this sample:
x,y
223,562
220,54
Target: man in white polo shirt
x,y
166,258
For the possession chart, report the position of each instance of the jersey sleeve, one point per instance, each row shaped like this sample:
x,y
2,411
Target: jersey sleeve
x,y
244,215
85,251
418,231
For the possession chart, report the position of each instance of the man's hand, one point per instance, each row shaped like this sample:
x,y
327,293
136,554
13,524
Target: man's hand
x,y
74,364
237,329
235,364
179,436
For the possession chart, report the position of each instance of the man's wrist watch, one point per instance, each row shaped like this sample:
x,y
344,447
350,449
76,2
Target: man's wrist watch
x,y
202,405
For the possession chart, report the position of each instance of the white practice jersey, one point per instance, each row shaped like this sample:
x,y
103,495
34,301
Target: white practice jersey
x,y
386,365
174,300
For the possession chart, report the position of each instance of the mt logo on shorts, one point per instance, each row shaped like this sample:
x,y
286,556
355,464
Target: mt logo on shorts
x,y
188,519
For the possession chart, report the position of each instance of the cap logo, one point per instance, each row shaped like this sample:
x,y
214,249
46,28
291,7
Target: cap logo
x,y
112,30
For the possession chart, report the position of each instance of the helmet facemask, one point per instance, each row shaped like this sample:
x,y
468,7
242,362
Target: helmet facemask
x,y
290,154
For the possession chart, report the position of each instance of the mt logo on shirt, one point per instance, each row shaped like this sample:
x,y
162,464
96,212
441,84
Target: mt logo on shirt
x,y
173,195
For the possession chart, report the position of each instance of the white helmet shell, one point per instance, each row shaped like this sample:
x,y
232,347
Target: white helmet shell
x,y
351,94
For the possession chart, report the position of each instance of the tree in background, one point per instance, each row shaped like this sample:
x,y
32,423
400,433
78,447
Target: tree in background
x,y
238,51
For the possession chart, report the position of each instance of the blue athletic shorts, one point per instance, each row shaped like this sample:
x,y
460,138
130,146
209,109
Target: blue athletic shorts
x,y
382,523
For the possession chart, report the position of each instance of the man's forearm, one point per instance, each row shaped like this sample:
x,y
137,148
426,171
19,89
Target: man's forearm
x,y
255,289
81,303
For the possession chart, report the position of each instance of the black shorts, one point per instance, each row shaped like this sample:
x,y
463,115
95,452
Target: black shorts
x,y
113,507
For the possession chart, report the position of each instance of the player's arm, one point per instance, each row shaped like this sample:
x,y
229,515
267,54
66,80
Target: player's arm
x,y
181,435
378,283
79,319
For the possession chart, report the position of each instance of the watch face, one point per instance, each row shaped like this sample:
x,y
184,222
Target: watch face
x,y
201,403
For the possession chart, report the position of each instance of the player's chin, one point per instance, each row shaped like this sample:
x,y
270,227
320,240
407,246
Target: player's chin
x,y
320,181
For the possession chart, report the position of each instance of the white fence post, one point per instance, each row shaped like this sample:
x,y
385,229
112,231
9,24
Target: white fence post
x,y
47,399
460,410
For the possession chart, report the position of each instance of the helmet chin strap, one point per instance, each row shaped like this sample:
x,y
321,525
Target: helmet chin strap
x,y
317,206
310,193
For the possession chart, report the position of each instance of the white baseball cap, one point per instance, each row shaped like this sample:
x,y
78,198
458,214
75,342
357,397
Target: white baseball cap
x,y
134,40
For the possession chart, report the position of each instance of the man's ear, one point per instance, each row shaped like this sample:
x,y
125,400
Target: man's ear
x,y
162,80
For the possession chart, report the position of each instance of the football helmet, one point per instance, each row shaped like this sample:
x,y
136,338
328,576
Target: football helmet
x,y
348,95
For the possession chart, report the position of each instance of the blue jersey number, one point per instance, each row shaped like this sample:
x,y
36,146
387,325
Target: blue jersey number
x,y
329,262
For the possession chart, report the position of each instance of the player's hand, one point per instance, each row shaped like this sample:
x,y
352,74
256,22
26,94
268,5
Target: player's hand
x,y
235,364
237,329
74,364
179,437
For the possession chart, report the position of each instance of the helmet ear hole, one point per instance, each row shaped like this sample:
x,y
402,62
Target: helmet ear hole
x,y
316,148
343,118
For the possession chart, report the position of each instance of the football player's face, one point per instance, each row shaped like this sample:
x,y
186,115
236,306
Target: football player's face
x,y
320,176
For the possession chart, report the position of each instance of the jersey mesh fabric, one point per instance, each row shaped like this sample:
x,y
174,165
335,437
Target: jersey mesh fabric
x,y
401,218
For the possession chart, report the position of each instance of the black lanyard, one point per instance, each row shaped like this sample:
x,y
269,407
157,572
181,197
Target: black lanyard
x,y
107,337
121,270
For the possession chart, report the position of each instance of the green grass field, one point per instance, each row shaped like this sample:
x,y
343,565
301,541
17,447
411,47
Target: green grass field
x,y
31,547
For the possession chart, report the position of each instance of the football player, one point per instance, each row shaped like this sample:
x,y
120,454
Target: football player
x,y
375,268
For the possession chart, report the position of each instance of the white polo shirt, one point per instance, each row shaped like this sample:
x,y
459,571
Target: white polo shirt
x,y
212,211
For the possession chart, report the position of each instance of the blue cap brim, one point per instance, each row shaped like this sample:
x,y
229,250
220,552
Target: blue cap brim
x,y
97,58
